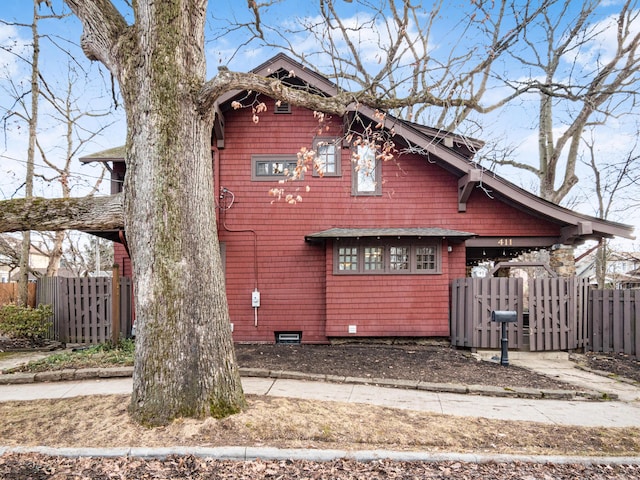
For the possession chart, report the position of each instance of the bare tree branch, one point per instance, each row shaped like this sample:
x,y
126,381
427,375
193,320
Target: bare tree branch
x,y
44,214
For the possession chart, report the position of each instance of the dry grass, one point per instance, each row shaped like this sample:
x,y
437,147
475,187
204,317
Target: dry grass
x,y
102,421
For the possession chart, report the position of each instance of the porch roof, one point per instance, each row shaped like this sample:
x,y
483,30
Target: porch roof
x,y
424,232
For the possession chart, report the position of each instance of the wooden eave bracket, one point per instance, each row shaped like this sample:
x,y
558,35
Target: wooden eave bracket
x,y
576,233
218,126
465,186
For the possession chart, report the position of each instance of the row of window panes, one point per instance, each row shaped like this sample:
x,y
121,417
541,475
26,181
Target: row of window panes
x,y
274,168
402,259
365,174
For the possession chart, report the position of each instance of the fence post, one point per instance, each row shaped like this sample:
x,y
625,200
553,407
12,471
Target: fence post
x,y
115,304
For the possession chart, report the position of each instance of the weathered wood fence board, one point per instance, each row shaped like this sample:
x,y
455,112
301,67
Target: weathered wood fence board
x,y
9,293
615,321
82,307
556,313
473,300
564,314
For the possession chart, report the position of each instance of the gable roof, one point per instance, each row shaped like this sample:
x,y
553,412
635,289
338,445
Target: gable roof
x,y
440,147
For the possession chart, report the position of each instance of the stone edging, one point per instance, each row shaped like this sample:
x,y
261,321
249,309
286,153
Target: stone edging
x,y
239,453
606,374
487,390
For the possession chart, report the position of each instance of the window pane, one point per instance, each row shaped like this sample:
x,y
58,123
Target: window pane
x,y
425,258
275,169
262,168
348,258
399,258
373,258
366,169
327,157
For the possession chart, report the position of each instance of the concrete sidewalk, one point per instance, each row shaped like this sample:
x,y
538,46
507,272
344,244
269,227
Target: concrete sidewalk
x,y
559,412
624,412
558,365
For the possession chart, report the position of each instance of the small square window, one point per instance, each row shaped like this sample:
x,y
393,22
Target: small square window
x,y
425,258
399,258
348,259
374,258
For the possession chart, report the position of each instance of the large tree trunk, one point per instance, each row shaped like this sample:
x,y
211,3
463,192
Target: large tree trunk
x,y
184,363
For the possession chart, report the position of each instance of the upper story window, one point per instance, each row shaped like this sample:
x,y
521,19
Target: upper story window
x,y
272,167
368,256
366,172
328,152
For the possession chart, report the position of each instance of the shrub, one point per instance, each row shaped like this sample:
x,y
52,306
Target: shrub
x,y
25,322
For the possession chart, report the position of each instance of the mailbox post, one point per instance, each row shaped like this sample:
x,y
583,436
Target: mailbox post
x,y
504,317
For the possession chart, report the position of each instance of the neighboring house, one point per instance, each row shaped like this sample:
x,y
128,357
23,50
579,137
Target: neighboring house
x,y
372,247
4,273
623,269
10,272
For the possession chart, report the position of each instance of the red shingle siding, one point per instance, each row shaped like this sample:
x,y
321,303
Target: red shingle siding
x,y
121,258
298,289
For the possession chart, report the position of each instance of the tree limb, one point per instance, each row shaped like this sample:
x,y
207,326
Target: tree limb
x,y
52,214
104,27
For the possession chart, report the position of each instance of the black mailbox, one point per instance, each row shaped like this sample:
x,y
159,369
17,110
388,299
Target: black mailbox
x,y
509,316
504,317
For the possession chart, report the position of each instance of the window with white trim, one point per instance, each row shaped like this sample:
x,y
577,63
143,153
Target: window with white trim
x,y
387,257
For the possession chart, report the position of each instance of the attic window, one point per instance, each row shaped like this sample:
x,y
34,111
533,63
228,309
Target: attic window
x,y
282,107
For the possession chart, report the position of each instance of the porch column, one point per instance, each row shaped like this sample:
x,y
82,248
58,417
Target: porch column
x,y
562,260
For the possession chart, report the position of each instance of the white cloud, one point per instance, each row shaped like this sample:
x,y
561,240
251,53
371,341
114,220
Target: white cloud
x,y
602,47
13,46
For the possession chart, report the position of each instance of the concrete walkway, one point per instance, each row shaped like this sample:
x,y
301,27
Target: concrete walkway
x,y
559,412
624,412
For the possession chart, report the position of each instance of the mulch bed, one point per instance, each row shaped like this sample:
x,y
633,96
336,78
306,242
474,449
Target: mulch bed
x,y
616,364
429,363
10,344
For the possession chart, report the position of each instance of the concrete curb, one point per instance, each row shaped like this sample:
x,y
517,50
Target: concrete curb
x,y
484,390
608,375
272,453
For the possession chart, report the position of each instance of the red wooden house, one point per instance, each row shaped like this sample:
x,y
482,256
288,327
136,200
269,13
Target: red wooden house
x,y
372,246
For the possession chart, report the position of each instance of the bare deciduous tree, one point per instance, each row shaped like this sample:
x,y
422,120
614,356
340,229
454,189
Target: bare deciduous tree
x,y
616,187
185,362
585,70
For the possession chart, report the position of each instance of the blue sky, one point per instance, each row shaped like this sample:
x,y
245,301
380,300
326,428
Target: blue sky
x,y
514,123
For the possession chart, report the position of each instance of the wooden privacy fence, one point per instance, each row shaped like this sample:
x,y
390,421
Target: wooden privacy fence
x,y
563,314
82,307
9,293
557,313
473,300
614,321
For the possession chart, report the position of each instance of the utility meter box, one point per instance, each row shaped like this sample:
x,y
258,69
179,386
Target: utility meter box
x,y
255,298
